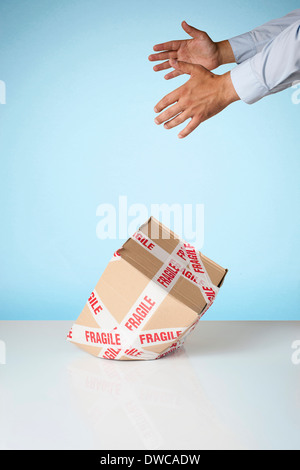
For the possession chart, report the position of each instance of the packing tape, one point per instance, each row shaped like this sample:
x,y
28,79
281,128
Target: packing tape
x,y
109,342
100,312
96,337
116,256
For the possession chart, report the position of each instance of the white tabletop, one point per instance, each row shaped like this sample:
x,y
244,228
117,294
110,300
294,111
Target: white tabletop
x,y
235,385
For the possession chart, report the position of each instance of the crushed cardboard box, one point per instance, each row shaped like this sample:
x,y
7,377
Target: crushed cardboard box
x,y
149,298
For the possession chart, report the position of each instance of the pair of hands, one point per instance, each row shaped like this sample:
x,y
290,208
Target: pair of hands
x,y
205,93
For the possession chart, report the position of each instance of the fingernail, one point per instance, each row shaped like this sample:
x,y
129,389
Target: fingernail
x,y
156,121
155,109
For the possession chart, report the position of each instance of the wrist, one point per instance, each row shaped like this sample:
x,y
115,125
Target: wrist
x,y
227,91
224,52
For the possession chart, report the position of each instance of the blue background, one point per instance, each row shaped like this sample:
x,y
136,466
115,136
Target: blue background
x,y
77,131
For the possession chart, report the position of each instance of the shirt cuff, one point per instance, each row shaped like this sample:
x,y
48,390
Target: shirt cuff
x,y
243,47
246,83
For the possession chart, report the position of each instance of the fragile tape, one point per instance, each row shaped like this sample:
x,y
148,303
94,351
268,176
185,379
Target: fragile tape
x,y
113,342
100,312
97,337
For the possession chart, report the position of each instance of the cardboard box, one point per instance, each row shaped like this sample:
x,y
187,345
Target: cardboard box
x,y
150,297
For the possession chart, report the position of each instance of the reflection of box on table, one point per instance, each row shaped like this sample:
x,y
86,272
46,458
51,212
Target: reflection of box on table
x,y
150,296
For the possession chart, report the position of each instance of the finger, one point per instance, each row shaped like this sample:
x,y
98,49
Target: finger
x,y
189,128
167,101
190,30
183,67
168,114
163,55
167,46
163,66
176,120
173,74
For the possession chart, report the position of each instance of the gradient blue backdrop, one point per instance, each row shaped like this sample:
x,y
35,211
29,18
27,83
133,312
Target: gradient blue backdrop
x,y
78,131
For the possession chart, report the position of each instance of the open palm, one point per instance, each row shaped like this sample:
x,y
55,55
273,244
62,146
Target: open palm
x,y
199,50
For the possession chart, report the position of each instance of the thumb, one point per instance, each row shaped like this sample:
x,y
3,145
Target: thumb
x,y
183,67
194,32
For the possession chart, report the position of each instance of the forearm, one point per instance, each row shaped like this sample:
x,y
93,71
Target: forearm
x,y
273,69
248,44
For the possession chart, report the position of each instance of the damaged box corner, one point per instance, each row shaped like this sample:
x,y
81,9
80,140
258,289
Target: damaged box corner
x,y
149,298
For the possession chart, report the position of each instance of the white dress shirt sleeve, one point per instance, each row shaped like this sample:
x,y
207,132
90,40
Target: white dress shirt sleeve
x,y
248,44
274,68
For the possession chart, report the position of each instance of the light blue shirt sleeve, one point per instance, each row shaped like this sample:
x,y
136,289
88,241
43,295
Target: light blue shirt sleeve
x,y
248,44
274,68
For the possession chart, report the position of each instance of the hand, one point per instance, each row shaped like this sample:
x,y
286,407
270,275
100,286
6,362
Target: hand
x,y
201,97
199,50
